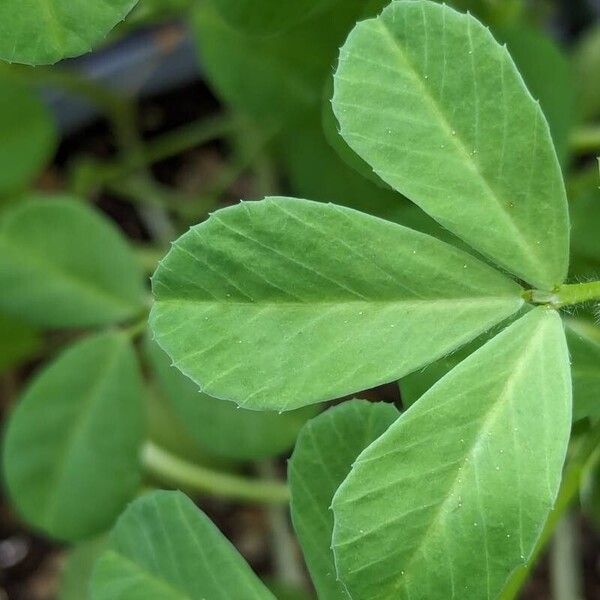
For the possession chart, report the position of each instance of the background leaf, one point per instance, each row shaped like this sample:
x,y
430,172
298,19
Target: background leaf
x,y
453,496
586,60
42,33
164,547
325,451
77,573
29,136
548,75
64,265
449,139
584,345
18,341
585,241
266,17
221,428
276,79
72,443
284,302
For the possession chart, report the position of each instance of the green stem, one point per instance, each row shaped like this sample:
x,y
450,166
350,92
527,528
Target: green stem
x,y
566,294
565,561
576,293
583,457
586,140
174,471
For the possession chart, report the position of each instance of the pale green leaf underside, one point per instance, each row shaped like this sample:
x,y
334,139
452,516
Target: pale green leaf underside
x,y
221,428
428,98
63,265
454,495
284,302
72,443
42,32
326,448
163,547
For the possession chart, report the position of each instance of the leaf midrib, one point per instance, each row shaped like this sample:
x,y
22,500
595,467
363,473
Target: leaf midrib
x,y
436,303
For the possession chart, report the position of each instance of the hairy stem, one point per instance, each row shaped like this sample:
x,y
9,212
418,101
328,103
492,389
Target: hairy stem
x,y
566,295
173,470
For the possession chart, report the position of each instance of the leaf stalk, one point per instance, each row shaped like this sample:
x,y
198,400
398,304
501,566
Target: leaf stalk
x,y
173,470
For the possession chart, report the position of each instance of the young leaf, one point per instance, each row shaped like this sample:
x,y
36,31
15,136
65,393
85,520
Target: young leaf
x,y
324,453
164,547
282,303
72,443
584,345
429,99
453,496
42,33
267,17
63,265
28,134
221,428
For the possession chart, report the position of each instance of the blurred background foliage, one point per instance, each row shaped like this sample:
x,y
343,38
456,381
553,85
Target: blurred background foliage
x,y
187,106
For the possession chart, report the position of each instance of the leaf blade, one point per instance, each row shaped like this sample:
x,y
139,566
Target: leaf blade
x,y
326,448
163,546
233,286
64,474
438,135
42,32
459,497
63,265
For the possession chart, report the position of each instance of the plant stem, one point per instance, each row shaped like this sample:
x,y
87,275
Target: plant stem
x,y
583,457
576,293
586,140
566,294
175,471
565,561
284,548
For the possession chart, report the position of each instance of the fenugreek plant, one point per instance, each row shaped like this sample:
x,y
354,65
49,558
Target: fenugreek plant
x,y
269,308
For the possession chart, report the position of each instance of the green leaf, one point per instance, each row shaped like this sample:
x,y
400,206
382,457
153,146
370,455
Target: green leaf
x,y
221,428
277,79
18,342
164,547
28,134
285,302
428,98
586,60
64,265
585,241
76,576
547,73
326,449
454,495
72,443
267,17
42,32
584,345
